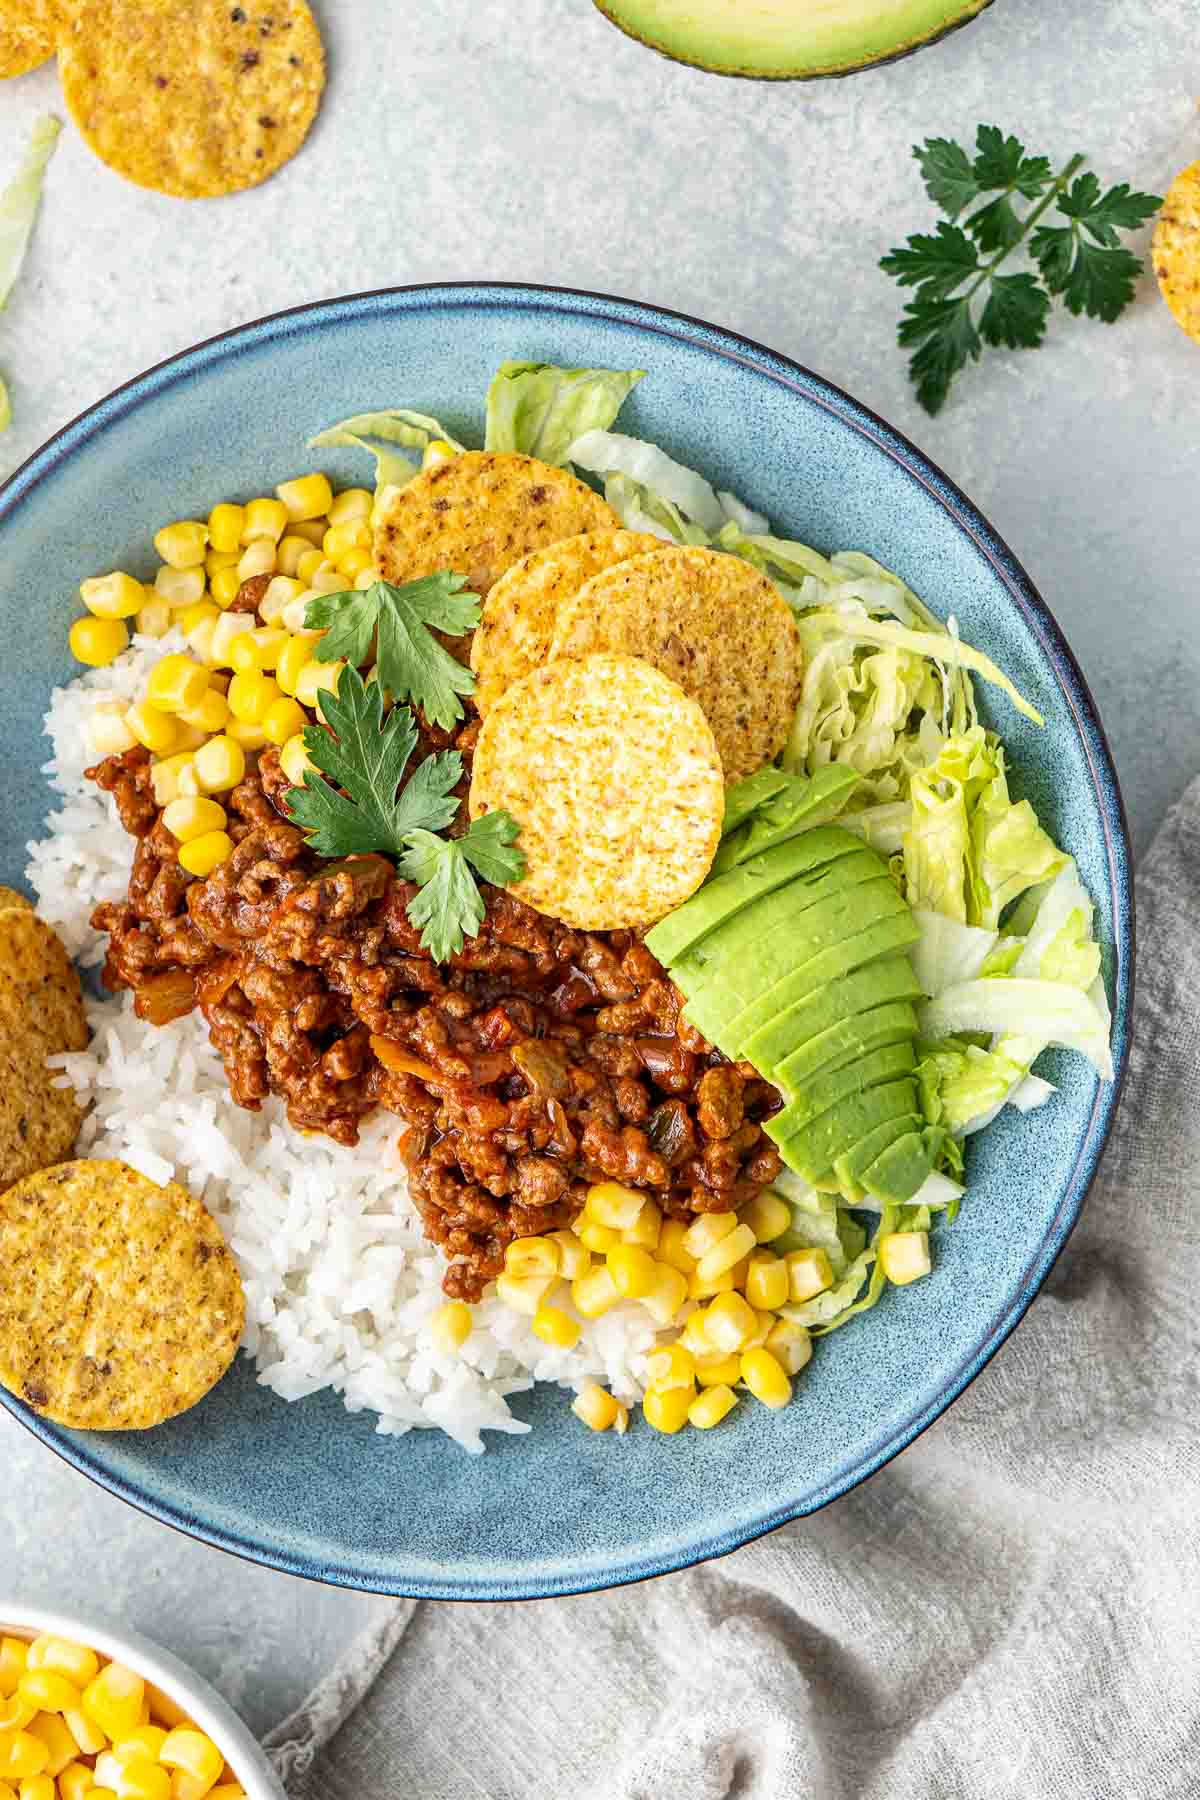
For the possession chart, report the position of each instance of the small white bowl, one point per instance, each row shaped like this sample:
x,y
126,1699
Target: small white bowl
x,y
189,1691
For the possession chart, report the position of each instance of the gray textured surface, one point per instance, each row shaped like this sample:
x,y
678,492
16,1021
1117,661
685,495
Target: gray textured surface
x,y
455,142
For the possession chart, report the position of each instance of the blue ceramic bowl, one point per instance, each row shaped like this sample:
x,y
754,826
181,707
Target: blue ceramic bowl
x,y
307,1487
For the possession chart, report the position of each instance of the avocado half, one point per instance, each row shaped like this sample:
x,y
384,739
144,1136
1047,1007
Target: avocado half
x,y
788,40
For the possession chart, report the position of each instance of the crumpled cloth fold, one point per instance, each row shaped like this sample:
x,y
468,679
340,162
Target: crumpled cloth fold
x,y
1009,1611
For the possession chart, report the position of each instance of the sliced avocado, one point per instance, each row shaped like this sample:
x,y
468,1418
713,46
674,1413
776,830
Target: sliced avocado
x,y
903,1167
718,1012
747,795
804,804
865,947
778,929
788,39
718,900
834,1085
848,1167
810,1150
841,1002
841,1044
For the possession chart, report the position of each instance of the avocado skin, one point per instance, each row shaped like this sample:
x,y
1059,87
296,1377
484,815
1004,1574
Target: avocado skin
x,y
810,1149
848,1167
841,1044
879,939
802,805
900,1172
880,984
832,1086
725,897
835,74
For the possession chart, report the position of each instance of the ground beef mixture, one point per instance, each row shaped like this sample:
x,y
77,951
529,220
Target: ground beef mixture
x,y
539,1060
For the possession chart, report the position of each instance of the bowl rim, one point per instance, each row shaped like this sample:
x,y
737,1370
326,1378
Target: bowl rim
x,y
205,1707
816,389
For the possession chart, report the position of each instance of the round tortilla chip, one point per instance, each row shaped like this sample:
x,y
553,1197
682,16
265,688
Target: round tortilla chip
x,y
613,776
41,1014
10,898
120,1302
28,34
479,513
193,98
713,624
1176,250
519,614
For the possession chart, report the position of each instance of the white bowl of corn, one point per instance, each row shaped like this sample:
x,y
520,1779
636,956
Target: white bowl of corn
x,y
91,1712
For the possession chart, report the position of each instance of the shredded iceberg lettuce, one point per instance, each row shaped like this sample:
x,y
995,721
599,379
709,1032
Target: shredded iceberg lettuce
x,y
18,210
540,410
384,435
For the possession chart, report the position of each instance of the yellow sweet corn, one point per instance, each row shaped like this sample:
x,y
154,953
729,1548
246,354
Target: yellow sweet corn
x,y
199,629
219,764
904,1256
265,518
666,1409
153,620
52,1732
257,650
225,526
182,544
230,625
176,683
699,1289
532,1256
354,534
250,696
248,735
194,1754
143,1740
633,1271
204,854
367,577
809,1273
228,1790
646,1228
294,613
706,1232
76,1780
14,1654
290,549
351,503
671,1248
223,586
188,818
165,776
157,730
318,678
667,1296
768,1216
556,1327
98,642
115,596
596,1407
308,564
767,1282
283,719
292,658
21,1755
695,1338
294,759
574,1257
730,1322
609,1203
311,530
307,497
179,587
113,1700
726,1253
710,1407
89,1739
523,1293
258,558
353,563
15,1714
38,1787
718,1371
48,1691
222,559
328,580
108,735
142,1779
672,1366
599,1238
450,1325
280,590
595,1292
436,451
765,1377
211,715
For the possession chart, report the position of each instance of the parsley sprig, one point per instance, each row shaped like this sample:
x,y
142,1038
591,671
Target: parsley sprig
x,y
1081,262
367,755
410,662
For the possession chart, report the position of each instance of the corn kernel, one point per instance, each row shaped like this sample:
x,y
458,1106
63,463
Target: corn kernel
x,y
210,716
142,1779
14,1654
248,735
596,1407
206,853
179,587
809,1273
307,497
283,719
308,564
671,1367
437,450
311,530
574,1258
556,1327
225,526
188,818
351,503
710,1407
294,760
666,1409
290,549
450,1326
15,1713
38,1787
328,580
532,1256
215,560
194,1754
595,1292
646,1228
279,591
726,1254
102,1793
182,544
229,1790
52,1731
523,1293
223,586
115,596
768,1216
175,683
225,629
767,1282
203,613
355,534
156,730
89,1739
294,615
143,1740
21,1754
695,1338
718,1371
154,619
165,776
633,1271
218,680
219,764
667,1295
599,1238
698,1289
367,578
48,1691
353,563
108,1769
671,1246
188,737
108,735
765,1378
318,678
98,642
904,1256
610,1203
258,558
251,695
730,1323
264,519
706,1231
113,1700
258,649
75,1781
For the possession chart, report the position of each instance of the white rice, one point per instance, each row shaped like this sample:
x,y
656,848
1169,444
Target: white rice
x,y
340,1280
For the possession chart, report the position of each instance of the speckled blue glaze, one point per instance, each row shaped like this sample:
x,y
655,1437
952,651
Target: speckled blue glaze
x,y
307,1487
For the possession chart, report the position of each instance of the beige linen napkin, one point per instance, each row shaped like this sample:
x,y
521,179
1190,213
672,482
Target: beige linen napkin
x,y
1010,1609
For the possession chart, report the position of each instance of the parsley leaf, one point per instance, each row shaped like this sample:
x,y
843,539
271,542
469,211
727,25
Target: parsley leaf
x,y
1083,261
410,662
449,906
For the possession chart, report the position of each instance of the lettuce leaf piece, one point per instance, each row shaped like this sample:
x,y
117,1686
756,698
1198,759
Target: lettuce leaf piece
x,y
958,1081
948,951
948,650
663,482
1043,1011
18,210
937,845
826,1312
881,827
1010,851
1059,945
383,435
817,1221
540,409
